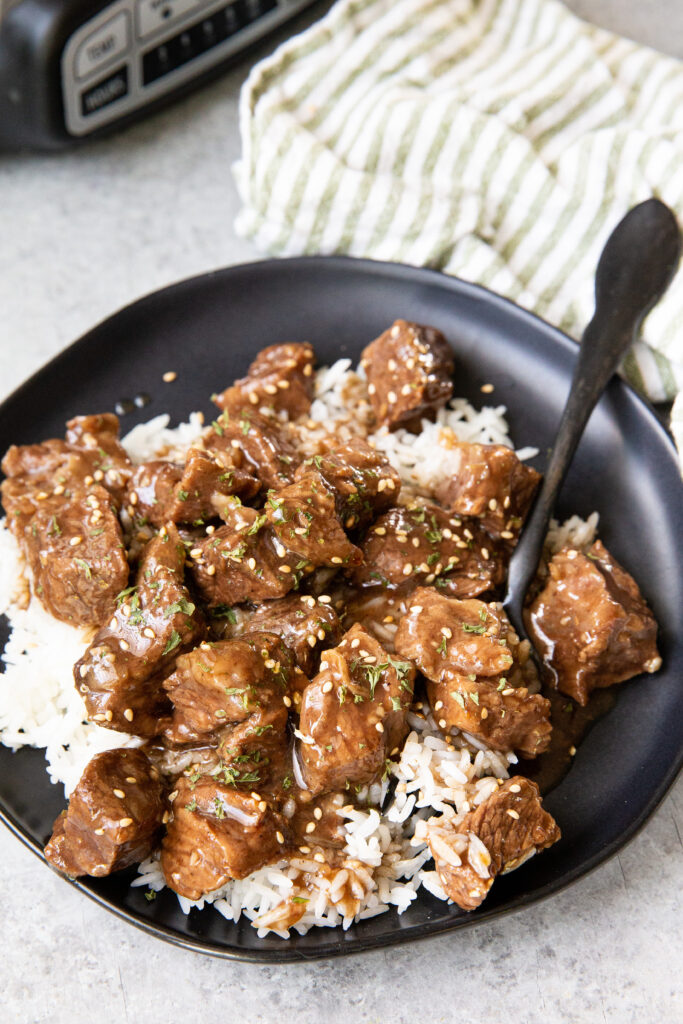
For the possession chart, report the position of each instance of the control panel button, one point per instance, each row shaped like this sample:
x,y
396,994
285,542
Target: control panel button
x,y
107,42
105,92
154,14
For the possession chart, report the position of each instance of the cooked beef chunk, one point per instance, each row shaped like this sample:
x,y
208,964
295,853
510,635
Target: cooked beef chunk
x,y
262,556
305,528
228,682
492,484
217,832
353,714
161,492
306,626
114,816
280,378
257,751
120,675
478,672
409,370
407,547
590,623
74,547
363,481
256,443
90,454
498,836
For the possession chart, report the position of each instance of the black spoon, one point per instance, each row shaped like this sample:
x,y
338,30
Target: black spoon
x,y
635,268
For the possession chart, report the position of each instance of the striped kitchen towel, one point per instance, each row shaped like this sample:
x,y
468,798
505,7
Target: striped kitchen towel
x,y
498,140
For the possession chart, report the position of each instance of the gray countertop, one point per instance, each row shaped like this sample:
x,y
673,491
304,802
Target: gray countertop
x,y
82,234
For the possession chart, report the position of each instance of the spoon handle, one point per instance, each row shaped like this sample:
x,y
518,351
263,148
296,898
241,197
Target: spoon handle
x,y
636,266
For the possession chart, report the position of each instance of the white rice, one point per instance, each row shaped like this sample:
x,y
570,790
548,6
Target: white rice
x,y
383,865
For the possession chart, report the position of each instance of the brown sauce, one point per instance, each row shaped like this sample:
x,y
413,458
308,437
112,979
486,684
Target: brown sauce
x,y
571,724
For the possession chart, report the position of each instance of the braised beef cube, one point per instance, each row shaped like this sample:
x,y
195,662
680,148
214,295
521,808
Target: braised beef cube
x,y
591,625
492,484
90,455
353,714
478,671
409,370
150,493
257,443
257,752
160,492
280,378
305,527
503,832
407,547
74,548
217,832
227,682
363,481
305,624
97,437
238,562
120,675
114,816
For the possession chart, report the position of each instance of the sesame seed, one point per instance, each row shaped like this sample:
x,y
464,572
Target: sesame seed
x,y
307,370
484,713
304,849
270,389
262,805
119,793
129,778
379,727
196,553
407,569
327,687
324,599
173,795
506,693
279,836
513,814
75,540
448,633
417,608
285,568
148,632
125,822
438,705
281,550
442,723
487,388
99,831
287,702
255,796
166,818
317,813
310,827
300,530
310,640
507,534
515,788
371,389
319,858
134,497
169,376
124,645
336,560
98,718
572,751
41,495
391,397
379,530
211,570
108,715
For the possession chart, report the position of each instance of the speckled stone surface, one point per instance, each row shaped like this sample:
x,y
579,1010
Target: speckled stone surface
x,y
82,234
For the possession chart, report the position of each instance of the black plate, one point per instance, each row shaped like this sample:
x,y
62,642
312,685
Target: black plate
x,y
207,329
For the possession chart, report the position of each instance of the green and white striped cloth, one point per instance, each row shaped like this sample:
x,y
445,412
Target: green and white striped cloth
x,y
498,140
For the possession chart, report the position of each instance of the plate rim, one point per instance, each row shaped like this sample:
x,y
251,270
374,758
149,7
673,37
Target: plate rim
x,y
289,953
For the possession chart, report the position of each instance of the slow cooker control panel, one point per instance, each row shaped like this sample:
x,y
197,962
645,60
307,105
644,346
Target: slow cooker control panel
x,y
135,51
